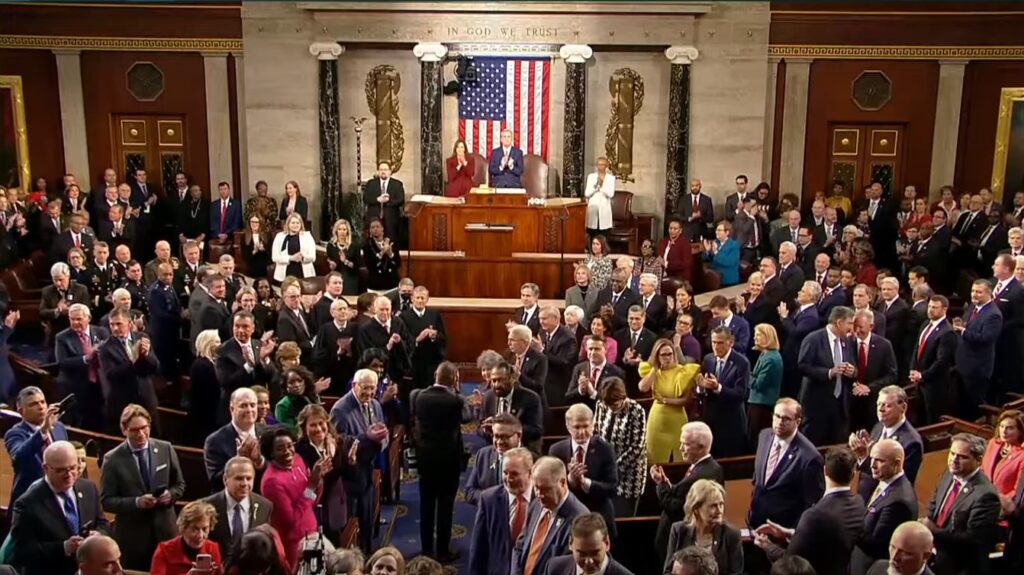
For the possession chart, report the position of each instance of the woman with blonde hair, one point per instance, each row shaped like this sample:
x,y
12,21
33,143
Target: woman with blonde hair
x,y
294,250
671,384
206,389
77,265
343,256
293,202
705,527
256,246
386,561
765,380
177,556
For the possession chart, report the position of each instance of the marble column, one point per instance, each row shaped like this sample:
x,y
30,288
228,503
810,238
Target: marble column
x,y
331,199
769,120
431,56
574,140
678,148
72,115
218,118
794,127
947,124
242,132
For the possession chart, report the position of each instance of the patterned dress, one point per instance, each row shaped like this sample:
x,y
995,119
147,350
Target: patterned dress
x,y
625,430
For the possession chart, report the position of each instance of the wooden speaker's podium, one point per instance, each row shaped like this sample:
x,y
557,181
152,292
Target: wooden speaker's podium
x,y
496,223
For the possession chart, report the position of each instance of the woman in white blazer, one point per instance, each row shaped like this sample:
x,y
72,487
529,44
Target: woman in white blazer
x,y
294,250
599,191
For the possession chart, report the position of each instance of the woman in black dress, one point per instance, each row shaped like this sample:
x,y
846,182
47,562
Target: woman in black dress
x,y
343,256
202,411
293,202
267,304
382,259
256,247
193,217
683,304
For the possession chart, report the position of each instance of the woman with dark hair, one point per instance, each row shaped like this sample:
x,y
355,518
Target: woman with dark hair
x,y
193,217
684,303
267,304
300,392
293,202
381,258
1004,455
74,200
621,421
649,262
599,263
259,551
256,247
293,488
602,325
318,439
262,205
459,167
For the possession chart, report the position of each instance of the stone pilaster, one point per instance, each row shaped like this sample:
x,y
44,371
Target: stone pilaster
x,y
242,132
574,138
794,127
431,56
769,120
947,124
330,135
218,118
72,115
678,148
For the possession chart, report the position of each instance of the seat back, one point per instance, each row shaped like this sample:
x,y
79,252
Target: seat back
x,y
622,207
479,170
535,176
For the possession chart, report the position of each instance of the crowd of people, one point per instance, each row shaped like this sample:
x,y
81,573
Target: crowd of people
x,y
844,309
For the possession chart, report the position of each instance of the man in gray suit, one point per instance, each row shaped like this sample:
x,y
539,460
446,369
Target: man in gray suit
x,y
549,519
238,508
141,481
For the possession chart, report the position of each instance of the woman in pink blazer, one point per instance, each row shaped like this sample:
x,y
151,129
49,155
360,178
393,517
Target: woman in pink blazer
x,y
292,487
1004,455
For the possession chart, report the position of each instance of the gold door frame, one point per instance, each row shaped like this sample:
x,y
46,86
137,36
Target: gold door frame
x,y
1007,98
13,83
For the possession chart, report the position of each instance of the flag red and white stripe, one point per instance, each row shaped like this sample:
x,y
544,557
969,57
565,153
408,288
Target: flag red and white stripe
x,y
526,106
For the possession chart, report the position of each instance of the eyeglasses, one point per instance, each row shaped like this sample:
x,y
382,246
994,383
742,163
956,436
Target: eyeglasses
x,y
669,353
783,418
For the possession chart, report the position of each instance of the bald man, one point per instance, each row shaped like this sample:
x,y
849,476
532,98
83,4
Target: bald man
x,y
99,555
909,551
892,503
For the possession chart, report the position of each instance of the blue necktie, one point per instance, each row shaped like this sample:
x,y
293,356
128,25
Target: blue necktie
x,y
140,456
70,513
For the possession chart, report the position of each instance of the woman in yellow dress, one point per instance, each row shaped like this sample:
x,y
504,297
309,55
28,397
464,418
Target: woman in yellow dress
x,y
671,384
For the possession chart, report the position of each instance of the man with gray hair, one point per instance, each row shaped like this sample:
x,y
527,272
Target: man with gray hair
x,y
910,548
559,348
790,273
75,352
26,440
58,298
695,440
654,304
506,164
501,515
593,470
694,560
827,365
876,368
548,523
964,510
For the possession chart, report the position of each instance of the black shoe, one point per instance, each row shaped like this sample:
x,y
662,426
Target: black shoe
x,y
448,557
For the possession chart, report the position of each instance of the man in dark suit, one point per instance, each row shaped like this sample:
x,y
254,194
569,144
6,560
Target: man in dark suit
x,y
439,457
876,368
488,463
976,351
992,241
426,327
890,503
293,323
136,288
334,352
883,224
897,319
787,470
242,361
970,225
635,343
165,322
749,230
833,295
507,396
827,366
618,298
910,549
238,508
58,298
141,481
75,352
127,364
722,316
589,376
593,472
387,332
117,230
807,253
559,348
829,530
933,357
506,164
773,289
549,519
734,201
26,440
320,313
55,515
964,510
215,311
654,304
384,198
695,441
501,516
790,273
1008,295
722,388
240,437
528,313
225,215
589,546
48,225
788,233
401,299
863,295
698,212
796,324
892,424
72,238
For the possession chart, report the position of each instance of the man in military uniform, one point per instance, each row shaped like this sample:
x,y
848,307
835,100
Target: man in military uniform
x,y
99,278
163,255
232,281
134,285
165,321
186,274
122,255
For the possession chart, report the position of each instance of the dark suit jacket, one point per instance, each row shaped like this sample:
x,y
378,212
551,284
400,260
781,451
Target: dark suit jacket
x,y
897,321
1010,348
697,229
970,232
347,418
795,485
627,299
827,533
218,448
836,297
566,565
964,542
392,209
894,506
740,329
506,177
976,350
525,405
602,472
797,325
232,219
726,546
63,243
673,499
761,310
572,395
39,528
25,447
644,345
105,232
725,411
214,314
76,293
560,351
484,474
781,235
260,509
655,311
138,531
557,541
231,372
774,291
825,416
125,381
913,455
792,278
533,322
289,328
490,546
935,362
439,430
301,208
533,373
881,365
373,334
71,357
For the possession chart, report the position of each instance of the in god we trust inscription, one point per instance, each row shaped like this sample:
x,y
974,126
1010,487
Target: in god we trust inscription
x,y
485,32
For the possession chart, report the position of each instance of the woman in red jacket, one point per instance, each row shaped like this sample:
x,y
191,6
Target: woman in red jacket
x,y
179,555
676,252
460,168
1004,456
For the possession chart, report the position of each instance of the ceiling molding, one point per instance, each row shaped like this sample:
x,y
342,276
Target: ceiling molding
x,y
121,44
897,52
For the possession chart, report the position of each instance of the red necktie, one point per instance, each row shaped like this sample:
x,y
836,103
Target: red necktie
x,y
862,363
954,490
696,204
519,519
974,314
924,340
594,372
223,215
78,241
579,455
86,349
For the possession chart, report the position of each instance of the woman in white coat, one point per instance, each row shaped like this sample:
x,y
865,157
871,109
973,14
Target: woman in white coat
x,y
294,250
599,191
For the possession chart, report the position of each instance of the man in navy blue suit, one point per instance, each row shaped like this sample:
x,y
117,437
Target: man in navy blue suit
x,y
165,321
593,472
501,516
933,356
549,519
826,364
588,546
506,434
225,215
834,294
506,164
25,442
75,351
976,351
1008,294
796,325
722,386
892,424
721,315
876,368
892,502
127,364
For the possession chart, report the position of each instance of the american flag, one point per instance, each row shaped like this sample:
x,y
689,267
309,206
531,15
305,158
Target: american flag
x,y
513,93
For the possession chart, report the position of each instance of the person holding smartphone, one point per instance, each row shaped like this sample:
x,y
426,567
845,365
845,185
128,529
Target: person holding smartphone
x,y
192,552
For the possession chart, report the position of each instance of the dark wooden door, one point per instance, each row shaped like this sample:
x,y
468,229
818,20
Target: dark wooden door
x,y
861,154
150,142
